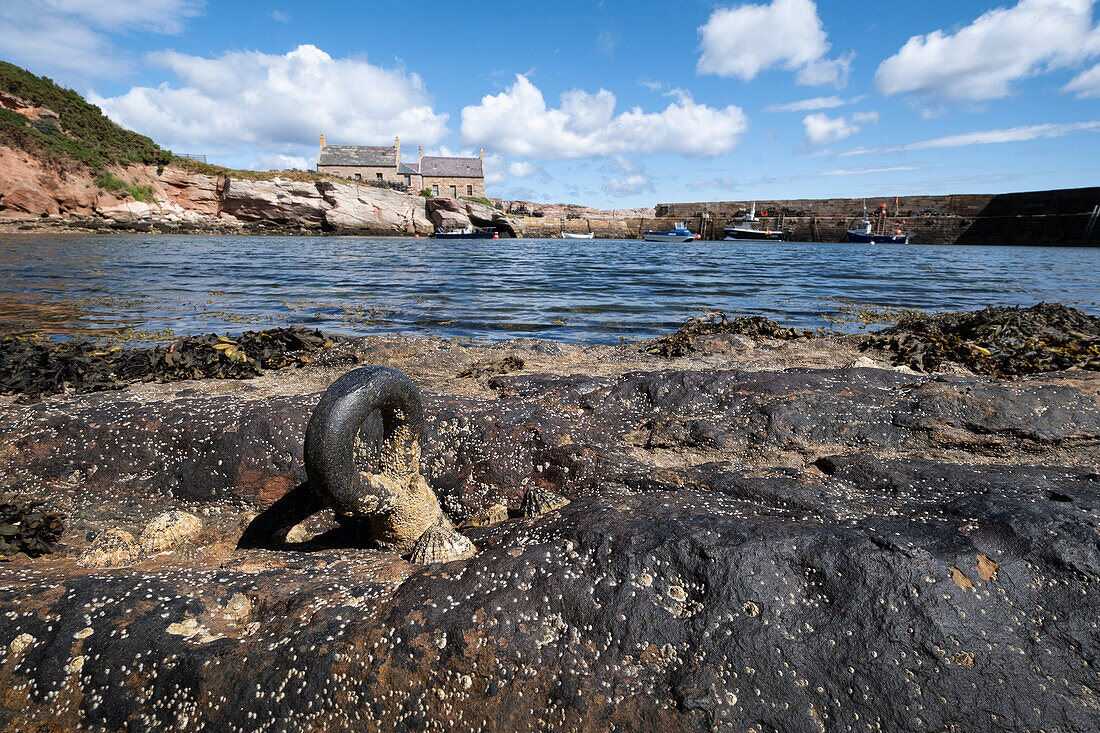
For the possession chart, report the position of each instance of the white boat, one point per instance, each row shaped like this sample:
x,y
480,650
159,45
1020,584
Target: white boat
x,y
571,235
678,233
748,231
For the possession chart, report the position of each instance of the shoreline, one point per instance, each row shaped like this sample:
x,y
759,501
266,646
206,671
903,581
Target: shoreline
x,y
751,495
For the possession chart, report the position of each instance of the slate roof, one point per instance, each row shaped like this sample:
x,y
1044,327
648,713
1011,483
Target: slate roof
x,y
358,155
452,167
407,169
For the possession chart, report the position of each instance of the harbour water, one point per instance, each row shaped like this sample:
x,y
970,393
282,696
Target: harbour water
x,y
148,288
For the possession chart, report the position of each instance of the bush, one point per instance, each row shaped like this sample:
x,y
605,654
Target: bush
x,y
426,193
111,182
87,138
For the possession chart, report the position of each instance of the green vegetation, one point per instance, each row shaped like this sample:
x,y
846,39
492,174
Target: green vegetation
x,y
426,193
111,182
481,200
196,166
86,139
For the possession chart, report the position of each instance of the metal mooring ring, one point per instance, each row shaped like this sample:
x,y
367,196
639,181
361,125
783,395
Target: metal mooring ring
x,y
333,428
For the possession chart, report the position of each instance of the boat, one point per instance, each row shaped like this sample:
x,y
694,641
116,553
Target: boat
x,y
678,233
866,234
469,232
748,231
571,235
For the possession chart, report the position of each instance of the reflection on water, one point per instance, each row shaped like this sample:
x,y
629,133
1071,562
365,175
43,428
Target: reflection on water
x,y
578,290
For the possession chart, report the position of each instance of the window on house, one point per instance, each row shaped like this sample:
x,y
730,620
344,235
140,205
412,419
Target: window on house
x,y
454,192
469,190
358,176
378,176
435,190
408,180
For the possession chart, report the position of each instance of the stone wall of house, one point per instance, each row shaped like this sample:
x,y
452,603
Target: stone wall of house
x,y
368,173
477,186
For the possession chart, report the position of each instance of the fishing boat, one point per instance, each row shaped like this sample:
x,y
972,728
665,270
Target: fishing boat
x,y
747,230
571,235
469,232
866,232
678,233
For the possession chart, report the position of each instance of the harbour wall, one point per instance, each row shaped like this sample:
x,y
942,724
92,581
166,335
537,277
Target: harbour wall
x,y
1058,217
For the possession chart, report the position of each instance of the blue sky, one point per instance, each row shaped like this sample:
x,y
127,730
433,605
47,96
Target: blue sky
x,y
613,104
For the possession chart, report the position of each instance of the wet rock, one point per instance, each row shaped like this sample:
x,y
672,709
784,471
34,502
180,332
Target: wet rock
x,y
168,530
112,548
490,515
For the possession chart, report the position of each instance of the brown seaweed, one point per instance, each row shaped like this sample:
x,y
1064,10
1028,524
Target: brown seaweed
x,y
33,367
999,341
683,341
26,527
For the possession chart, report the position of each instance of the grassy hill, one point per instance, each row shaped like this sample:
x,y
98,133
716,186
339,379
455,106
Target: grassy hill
x,y
89,138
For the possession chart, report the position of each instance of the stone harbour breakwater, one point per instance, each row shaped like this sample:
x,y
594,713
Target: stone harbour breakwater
x,y
765,532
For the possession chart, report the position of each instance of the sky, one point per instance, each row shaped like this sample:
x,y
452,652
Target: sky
x,y
610,104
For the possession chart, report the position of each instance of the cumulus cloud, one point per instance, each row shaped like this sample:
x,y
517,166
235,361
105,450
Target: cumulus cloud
x,y
822,129
744,40
71,38
627,178
981,61
522,169
278,103
1086,84
809,105
518,122
986,137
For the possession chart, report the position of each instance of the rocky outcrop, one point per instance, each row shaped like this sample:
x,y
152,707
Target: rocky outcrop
x,y
788,549
448,214
184,200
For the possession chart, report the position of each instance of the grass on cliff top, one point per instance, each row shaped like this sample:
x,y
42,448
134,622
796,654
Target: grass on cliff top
x,y
88,138
196,166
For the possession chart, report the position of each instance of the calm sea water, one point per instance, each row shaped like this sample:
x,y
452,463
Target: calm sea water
x,y
597,291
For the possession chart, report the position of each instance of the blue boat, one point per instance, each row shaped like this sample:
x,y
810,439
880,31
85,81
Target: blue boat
x,y
678,233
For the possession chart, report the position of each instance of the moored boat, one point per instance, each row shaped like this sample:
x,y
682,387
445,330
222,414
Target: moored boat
x,y
678,233
747,230
866,234
469,232
571,235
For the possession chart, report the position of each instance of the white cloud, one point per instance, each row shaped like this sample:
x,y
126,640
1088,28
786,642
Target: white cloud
x,y
652,85
522,169
982,60
867,171
822,129
1086,84
985,137
71,38
280,16
605,43
518,122
722,182
628,178
279,104
744,40
809,105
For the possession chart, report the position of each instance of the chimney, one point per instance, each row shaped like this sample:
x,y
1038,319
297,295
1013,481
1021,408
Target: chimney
x,y
322,139
420,159
397,144
481,154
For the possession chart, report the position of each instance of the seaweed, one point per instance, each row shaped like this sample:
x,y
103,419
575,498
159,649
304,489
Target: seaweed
x,y
1000,341
32,367
683,341
27,528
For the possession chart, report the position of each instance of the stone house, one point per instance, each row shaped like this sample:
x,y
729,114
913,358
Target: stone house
x,y
448,177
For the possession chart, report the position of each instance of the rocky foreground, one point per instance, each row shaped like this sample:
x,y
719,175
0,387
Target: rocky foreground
x,y
769,535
